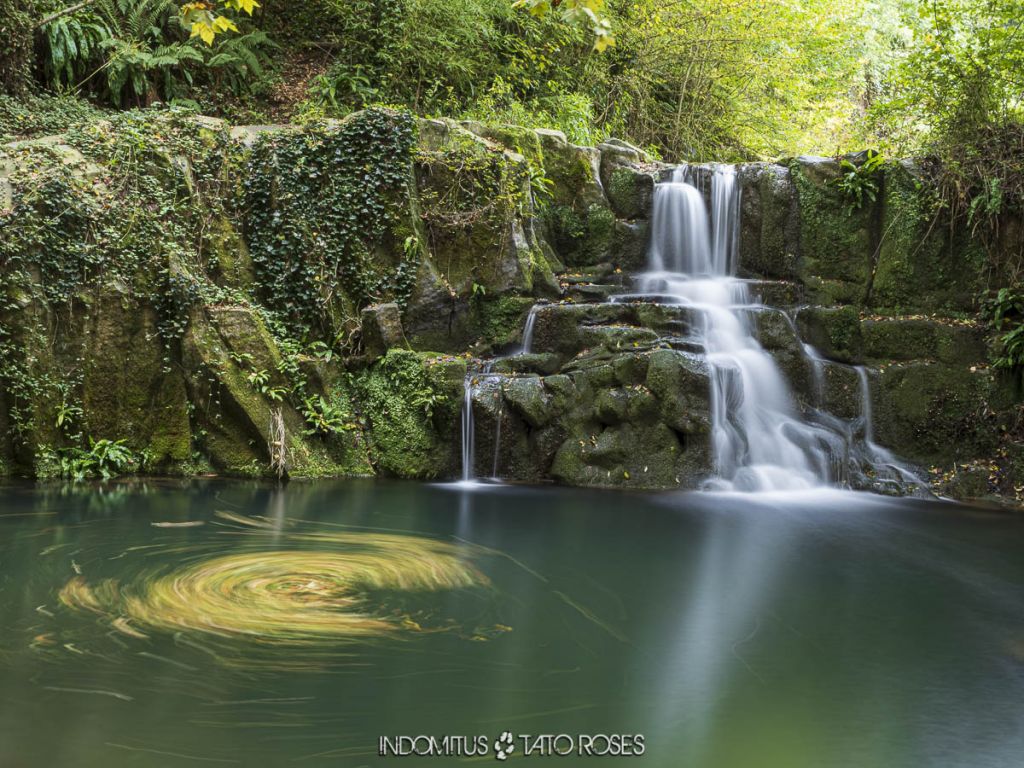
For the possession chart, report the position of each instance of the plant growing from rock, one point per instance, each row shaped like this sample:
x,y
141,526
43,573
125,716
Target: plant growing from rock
x,y
859,184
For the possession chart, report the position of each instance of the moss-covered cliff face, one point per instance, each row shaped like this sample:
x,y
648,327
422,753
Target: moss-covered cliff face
x,y
182,296
180,285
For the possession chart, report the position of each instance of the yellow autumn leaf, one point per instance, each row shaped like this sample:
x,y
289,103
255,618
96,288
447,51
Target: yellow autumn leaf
x,y
224,24
243,5
203,31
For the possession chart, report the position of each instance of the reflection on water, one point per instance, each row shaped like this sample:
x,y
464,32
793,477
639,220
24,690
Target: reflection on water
x,y
169,624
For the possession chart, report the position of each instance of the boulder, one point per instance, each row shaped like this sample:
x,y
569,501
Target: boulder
x,y
381,326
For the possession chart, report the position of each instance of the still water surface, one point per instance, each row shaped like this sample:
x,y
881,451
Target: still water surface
x,y
297,626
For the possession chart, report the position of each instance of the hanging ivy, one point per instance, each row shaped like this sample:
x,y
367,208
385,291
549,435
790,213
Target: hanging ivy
x,y
320,205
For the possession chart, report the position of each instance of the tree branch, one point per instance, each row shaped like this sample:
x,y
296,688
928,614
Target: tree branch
x,y
65,12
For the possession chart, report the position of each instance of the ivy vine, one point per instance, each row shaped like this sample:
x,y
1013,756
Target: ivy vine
x,y
320,203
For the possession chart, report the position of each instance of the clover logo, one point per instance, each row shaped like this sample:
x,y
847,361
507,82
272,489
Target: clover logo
x,y
503,746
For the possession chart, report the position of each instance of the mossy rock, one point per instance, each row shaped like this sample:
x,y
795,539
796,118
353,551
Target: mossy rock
x,y
899,339
529,398
574,171
130,389
960,343
491,248
581,237
411,402
769,222
231,264
934,413
630,192
501,320
841,390
680,381
834,332
920,268
835,243
224,347
630,241
629,456
515,138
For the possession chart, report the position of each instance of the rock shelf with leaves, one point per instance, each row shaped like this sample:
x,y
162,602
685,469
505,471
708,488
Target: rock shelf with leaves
x,y
180,285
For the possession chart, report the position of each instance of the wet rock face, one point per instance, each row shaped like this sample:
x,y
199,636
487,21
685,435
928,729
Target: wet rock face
x,y
769,222
640,420
382,329
602,399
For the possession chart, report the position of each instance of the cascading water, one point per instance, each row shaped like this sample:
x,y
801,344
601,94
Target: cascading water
x,y
531,322
760,439
468,431
468,425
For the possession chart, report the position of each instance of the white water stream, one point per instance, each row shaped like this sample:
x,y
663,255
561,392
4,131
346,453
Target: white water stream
x,y
760,439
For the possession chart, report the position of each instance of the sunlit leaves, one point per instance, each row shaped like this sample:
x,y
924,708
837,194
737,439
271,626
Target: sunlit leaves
x,y
205,23
590,14
243,5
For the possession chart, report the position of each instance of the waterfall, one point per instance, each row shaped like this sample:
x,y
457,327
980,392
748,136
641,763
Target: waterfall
x,y
760,439
468,431
885,464
759,442
531,321
865,406
817,374
468,425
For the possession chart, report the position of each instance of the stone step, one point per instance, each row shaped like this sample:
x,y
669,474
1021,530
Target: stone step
x,y
592,292
610,279
844,335
776,293
563,328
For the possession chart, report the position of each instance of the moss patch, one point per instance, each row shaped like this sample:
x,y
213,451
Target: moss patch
x,y
410,401
835,244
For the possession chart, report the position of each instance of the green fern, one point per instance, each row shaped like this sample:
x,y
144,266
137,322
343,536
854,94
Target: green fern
x,y
72,45
237,61
130,52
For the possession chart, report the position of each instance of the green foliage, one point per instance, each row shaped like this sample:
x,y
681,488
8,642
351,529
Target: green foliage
x,y
402,401
959,74
468,193
71,44
590,13
16,52
954,92
1005,313
135,52
31,116
319,203
324,417
130,218
479,59
859,184
569,112
103,459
